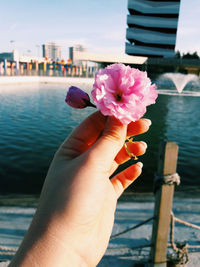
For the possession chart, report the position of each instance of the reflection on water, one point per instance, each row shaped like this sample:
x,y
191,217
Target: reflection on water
x,y
183,127
34,121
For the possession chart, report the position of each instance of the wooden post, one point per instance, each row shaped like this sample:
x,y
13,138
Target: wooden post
x,y
163,204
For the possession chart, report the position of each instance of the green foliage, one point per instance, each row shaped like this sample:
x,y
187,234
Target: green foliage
x,y
191,56
187,55
177,54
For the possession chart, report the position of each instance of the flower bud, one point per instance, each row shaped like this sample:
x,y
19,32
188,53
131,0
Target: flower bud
x,y
77,98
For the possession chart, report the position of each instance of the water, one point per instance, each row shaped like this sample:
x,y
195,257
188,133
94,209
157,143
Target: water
x,y
34,121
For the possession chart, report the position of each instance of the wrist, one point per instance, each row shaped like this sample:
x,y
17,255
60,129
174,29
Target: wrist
x,y
46,245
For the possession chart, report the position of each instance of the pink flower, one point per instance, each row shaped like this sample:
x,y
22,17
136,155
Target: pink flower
x,y
77,98
123,92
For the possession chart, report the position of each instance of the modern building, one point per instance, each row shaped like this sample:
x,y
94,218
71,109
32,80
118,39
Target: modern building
x,y
15,56
105,59
51,51
152,27
73,50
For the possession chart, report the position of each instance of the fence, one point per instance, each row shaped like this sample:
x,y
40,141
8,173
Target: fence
x,y
61,69
164,219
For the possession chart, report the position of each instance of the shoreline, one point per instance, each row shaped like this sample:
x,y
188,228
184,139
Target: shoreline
x,y
25,200
9,80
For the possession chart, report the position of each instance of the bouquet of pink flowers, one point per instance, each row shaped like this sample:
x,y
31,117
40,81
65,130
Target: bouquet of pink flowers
x,y
119,91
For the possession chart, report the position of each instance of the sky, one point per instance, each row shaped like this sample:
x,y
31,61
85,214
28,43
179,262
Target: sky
x,y
99,25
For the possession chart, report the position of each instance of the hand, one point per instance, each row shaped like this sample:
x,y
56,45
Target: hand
x,y
75,216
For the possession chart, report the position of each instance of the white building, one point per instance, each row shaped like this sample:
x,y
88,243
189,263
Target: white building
x,y
72,52
51,51
108,58
15,56
152,27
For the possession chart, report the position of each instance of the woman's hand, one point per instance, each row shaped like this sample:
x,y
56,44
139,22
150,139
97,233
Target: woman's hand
x,y
75,216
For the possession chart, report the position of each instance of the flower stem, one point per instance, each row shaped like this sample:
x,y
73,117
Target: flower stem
x,y
89,104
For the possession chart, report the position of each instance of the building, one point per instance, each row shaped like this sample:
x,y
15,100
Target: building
x,y
15,56
14,63
105,59
73,50
152,27
10,56
51,51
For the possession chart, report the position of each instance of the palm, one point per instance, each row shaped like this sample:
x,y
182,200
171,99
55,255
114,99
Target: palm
x,y
89,183
75,216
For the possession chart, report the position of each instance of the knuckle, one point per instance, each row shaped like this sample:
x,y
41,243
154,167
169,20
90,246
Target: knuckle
x,y
113,136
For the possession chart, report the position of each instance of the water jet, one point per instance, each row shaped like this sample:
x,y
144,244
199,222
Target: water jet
x,y
180,81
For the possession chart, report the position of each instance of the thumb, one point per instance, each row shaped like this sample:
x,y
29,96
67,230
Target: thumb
x,y
110,142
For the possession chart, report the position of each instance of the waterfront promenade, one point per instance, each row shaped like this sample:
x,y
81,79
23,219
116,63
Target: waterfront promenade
x,y
131,210
43,79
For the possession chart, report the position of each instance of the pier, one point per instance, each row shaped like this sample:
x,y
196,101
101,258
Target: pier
x,y
84,64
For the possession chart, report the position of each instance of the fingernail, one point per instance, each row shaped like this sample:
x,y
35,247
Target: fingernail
x,y
148,122
140,164
144,144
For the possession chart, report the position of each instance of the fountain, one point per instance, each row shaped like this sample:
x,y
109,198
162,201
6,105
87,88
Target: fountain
x,y
180,81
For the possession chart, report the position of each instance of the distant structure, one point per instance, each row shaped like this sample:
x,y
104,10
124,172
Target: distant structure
x,y
14,63
73,50
81,57
51,51
15,56
152,27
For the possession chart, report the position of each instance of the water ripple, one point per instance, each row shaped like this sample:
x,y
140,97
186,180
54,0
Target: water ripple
x,y
34,121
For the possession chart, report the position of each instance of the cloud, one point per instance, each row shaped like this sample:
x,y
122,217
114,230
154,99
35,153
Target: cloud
x,y
187,31
13,26
70,41
94,46
120,49
115,36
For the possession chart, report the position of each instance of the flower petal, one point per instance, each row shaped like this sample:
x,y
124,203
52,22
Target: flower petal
x,y
123,92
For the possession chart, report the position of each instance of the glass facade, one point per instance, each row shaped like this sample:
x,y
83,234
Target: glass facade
x,y
152,27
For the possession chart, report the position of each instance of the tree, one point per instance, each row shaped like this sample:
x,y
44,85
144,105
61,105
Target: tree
x,y
191,56
177,54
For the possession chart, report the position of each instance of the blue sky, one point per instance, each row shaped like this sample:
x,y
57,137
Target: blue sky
x,y
99,25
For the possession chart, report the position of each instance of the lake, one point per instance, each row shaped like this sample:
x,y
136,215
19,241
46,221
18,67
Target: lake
x,y
34,121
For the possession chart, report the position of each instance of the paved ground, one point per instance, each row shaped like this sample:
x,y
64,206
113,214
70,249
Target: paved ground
x,y
122,251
